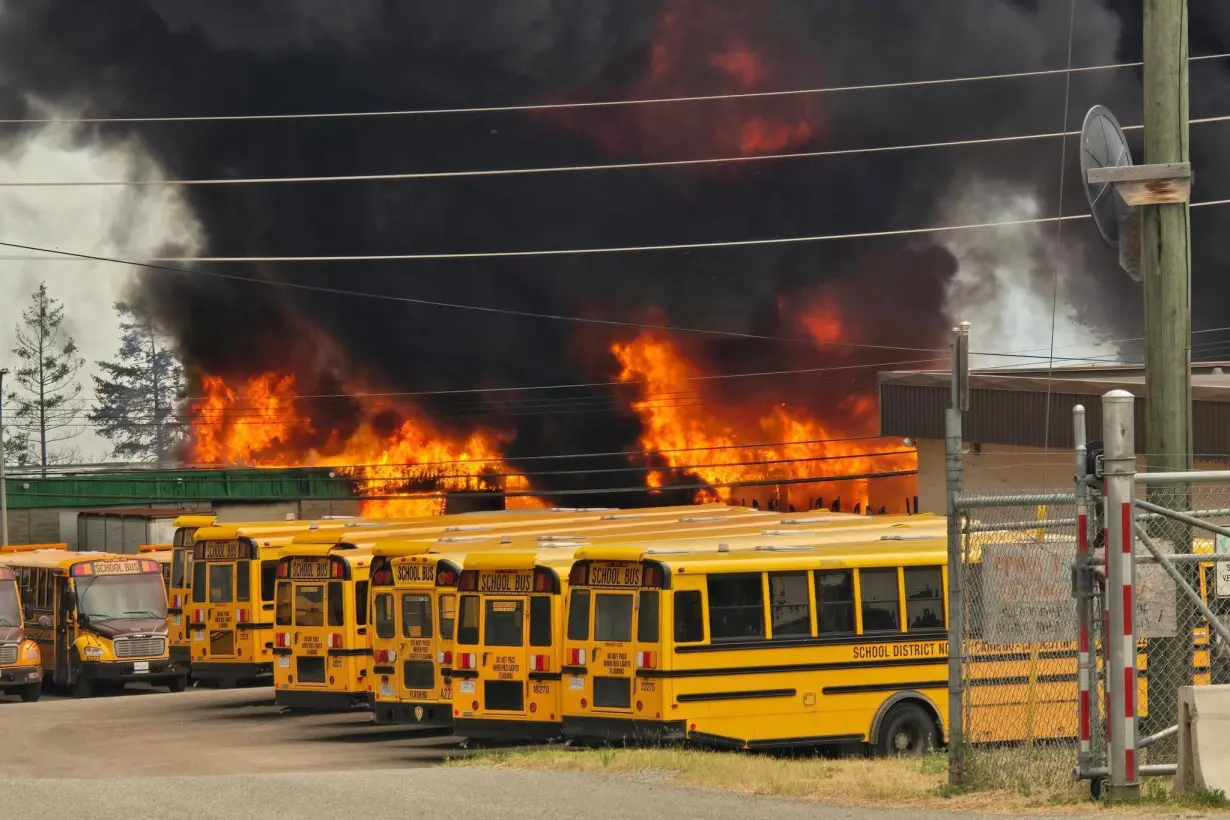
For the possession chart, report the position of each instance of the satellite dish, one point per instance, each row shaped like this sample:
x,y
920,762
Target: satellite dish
x,y
1104,146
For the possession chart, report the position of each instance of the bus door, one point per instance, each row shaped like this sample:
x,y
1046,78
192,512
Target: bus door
x,y
221,575
316,591
505,657
65,619
613,636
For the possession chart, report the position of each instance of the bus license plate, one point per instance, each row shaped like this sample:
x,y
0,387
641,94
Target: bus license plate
x,y
140,667
386,690
576,683
284,662
467,687
176,620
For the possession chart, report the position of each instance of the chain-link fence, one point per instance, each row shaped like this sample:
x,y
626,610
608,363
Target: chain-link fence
x,y
1019,648
1027,720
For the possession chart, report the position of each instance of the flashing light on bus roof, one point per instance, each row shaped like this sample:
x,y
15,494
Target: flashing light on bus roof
x,y
468,581
542,581
82,569
576,576
282,570
446,578
336,570
652,577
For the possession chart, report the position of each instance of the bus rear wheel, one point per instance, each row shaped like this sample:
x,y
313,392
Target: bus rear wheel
x,y
906,731
82,687
31,692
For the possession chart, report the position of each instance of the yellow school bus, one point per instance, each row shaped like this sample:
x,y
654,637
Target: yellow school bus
x,y
180,589
231,608
21,664
321,642
414,585
99,619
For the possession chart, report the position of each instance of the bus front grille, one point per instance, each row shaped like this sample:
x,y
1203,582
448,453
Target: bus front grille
x,y
139,647
8,653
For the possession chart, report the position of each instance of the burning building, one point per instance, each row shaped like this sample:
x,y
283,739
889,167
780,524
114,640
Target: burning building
x,y
745,373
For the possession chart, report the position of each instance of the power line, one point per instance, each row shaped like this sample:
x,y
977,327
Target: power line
x,y
563,169
593,104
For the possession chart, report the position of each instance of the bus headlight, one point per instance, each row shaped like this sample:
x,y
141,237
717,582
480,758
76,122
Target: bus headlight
x,y
30,652
93,651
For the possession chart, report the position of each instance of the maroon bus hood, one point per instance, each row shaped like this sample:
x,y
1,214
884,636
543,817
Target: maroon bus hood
x,y
142,626
12,634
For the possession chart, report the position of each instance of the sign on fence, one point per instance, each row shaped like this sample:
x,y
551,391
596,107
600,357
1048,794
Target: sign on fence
x,y
1027,594
1221,587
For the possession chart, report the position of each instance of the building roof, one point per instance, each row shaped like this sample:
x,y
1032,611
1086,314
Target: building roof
x,y
1011,407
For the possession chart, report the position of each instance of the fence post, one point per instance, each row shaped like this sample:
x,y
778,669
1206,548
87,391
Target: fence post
x,y
1118,431
1083,592
954,466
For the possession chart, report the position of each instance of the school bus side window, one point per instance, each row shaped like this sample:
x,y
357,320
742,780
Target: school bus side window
x,y
385,626
647,627
835,602
467,628
924,597
790,608
448,616
736,607
578,615
689,620
337,604
285,604
881,609
540,621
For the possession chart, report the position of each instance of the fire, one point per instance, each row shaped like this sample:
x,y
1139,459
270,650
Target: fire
x,y
259,424
707,441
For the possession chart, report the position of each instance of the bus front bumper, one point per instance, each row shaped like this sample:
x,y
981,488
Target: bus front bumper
x,y
181,654
12,676
427,715
321,701
618,729
230,671
126,671
507,730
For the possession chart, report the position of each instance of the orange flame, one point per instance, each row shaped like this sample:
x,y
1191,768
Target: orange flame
x,y
258,424
707,441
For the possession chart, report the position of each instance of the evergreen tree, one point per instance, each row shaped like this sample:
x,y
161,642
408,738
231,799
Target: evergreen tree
x,y
138,392
44,403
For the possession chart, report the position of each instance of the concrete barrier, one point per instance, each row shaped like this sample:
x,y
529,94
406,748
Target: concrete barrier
x,y
1204,739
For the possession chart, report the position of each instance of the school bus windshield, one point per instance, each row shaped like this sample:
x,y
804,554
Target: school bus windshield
x,y
10,612
122,597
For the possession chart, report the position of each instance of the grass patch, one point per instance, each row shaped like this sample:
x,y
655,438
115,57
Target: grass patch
x,y
1010,781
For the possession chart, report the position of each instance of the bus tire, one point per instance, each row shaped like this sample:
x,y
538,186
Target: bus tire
x,y
908,730
82,687
31,692
177,684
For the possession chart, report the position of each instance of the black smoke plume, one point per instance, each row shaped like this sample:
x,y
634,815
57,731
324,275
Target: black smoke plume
x,y
236,57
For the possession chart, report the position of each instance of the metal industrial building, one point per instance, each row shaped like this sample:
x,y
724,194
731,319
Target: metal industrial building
x,y
1018,431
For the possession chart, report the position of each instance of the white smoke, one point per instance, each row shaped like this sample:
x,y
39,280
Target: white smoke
x,y
118,221
1007,286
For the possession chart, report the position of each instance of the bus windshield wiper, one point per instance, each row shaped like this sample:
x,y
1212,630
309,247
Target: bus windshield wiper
x,y
145,612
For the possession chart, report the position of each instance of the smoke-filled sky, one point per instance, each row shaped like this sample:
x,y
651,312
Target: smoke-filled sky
x,y
234,57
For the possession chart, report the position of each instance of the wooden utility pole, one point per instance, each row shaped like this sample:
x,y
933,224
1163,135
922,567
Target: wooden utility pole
x,y
1166,279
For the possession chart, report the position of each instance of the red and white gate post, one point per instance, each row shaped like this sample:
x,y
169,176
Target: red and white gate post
x,y
1119,471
